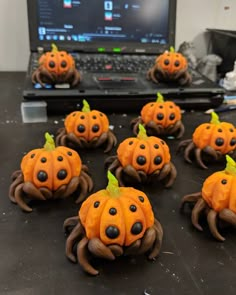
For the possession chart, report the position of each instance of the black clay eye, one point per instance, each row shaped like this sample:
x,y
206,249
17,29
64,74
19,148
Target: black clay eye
x,y
94,117
156,146
219,141
177,63
51,64
101,114
82,117
233,141
42,176
43,160
137,228
160,116
131,142
69,153
223,181
96,204
157,160
62,174
74,115
32,156
142,146
132,208
63,64
141,160
81,128
95,128
112,211
231,130
151,105
162,142
219,130
59,158
208,127
166,62
161,107
172,116
112,232
141,199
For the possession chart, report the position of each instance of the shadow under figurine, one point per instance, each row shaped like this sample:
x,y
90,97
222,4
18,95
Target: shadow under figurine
x,y
217,200
86,129
56,67
170,67
160,118
112,222
142,159
213,140
49,173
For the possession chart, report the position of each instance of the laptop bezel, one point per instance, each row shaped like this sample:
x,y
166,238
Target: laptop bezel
x,y
127,47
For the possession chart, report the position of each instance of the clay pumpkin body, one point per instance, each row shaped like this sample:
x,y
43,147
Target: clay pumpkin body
x,y
160,118
217,199
113,222
56,67
214,139
86,129
49,173
170,67
142,159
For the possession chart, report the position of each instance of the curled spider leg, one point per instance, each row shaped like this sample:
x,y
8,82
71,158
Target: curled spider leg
x,y
198,208
212,222
134,124
112,141
183,144
156,127
187,152
15,183
117,250
172,175
97,247
133,248
118,174
83,257
83,190
15,174
191,198
132,172
72,186
210,151
59,193
198,155
229,216
88,179
71,221
46,193
147,241
158,241
60,136
115,163
74,237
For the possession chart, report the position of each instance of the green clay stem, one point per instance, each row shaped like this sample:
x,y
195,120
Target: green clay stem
x,y
54,48
142,134
49,144
172,49
113,185
86,107
230,166
214,118
160,97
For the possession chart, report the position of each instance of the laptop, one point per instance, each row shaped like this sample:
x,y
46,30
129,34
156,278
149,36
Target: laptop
x,y
114,43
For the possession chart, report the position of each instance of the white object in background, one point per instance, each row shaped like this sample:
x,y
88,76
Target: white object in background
x,y
229,82
34,112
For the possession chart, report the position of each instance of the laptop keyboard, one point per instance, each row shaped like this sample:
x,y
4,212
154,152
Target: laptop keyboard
x,y
101,63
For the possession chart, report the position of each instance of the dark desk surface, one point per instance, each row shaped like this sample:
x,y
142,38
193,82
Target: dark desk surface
x,y
32,245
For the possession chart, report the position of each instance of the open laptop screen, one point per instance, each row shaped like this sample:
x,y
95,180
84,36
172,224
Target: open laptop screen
x,y
127,25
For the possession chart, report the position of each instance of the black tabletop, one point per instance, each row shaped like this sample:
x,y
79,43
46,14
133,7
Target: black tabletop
x,y
32,245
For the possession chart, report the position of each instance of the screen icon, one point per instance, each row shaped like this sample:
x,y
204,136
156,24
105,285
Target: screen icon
x,y
108,5
108,16
67,4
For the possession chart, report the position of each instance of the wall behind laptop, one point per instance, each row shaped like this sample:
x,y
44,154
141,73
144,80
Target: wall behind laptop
x,y
193,17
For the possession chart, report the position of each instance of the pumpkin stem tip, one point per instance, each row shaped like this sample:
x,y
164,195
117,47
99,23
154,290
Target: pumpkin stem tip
x,y
113,185
49,144
86,107
160,97
54,47
230,165
214,118
142,134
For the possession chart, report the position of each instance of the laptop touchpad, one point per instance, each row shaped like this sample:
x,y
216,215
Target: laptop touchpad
x,y
118,82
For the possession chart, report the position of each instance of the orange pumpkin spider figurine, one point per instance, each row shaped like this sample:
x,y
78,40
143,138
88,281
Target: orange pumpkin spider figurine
x,y
49,173
86,129
170,66
142,159
112,222
56,67
160,118
214,139
217,199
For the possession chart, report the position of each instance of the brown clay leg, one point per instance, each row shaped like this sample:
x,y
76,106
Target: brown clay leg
x,y
83,190
112,163
60,133
212,220
72,186
112,141
191,198
117,250
132,172
133,248
187,152
198,154
82,254
87,178
97,248
198,208
13,186
158,241
228,216
19,195
172,175
118,175
71,221
74,236
148,240
134,124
